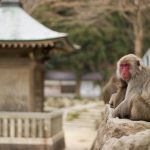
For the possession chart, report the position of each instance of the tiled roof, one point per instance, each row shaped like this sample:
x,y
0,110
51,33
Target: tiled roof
x,y
17,25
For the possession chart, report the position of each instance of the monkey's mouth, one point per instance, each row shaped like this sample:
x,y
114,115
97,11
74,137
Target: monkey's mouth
x,y
126,78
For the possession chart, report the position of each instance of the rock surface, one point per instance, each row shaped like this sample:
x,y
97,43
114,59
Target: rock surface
x,y
116,134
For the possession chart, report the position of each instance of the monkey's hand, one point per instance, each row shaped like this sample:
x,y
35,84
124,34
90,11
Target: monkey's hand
x,y
121,110
112,100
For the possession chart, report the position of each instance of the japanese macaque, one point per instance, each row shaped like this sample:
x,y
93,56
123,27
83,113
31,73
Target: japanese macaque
x,y
119,96
109,89
136,104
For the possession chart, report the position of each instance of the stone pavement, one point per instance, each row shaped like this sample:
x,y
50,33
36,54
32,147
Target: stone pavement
x,y
79,138
81,131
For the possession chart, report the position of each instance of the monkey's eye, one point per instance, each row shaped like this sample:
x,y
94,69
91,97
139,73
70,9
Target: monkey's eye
x,y
124,66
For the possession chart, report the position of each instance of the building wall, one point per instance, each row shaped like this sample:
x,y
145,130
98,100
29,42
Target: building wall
x,y
89,90
15,76
146,58
67,89
57,88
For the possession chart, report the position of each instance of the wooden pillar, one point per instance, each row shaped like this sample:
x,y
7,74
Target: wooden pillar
x,y
37,89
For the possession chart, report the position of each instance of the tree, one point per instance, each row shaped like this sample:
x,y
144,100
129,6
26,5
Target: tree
x,y
135,12
111,29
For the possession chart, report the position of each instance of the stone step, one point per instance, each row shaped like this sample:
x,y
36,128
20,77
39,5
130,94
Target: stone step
x,y
89,115
80,124
87,118
82,120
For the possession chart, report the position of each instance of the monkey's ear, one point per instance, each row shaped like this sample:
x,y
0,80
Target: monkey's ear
x,y
139,64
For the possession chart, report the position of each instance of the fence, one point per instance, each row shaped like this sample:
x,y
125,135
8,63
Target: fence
x,y
30,128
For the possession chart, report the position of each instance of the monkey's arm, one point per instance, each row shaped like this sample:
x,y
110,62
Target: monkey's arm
x,y
112,100
122,110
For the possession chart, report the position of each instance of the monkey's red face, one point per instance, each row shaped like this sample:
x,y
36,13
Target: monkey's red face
x,y
124,71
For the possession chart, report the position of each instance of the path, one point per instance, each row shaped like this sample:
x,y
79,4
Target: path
x,y
81,132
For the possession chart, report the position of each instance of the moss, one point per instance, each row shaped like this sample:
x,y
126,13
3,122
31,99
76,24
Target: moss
x,y
73,115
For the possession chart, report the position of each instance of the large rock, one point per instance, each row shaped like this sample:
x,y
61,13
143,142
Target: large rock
x,y
116,134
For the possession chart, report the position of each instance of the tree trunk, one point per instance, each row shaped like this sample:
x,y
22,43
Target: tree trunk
x,y
138,32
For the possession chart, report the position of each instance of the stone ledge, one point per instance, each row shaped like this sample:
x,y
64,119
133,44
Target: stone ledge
x,y
116,134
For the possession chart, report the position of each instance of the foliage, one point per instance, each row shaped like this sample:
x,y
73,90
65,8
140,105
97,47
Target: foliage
x,y
103,38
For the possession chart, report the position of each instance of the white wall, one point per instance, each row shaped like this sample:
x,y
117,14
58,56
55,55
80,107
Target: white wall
x,y
146,58
89,89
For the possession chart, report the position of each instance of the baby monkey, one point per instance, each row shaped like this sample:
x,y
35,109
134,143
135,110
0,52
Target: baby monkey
x,y
119,96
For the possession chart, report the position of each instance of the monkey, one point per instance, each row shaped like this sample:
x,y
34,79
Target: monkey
x,y
114,88
136,104
119,96
109,89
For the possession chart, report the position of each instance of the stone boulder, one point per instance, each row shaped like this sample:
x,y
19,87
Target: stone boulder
x,y
125,134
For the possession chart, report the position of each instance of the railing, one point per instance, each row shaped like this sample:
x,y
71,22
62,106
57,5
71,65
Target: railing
x,y
30,125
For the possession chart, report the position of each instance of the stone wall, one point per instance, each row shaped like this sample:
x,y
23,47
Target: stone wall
x,y
14,85
117,134
21,84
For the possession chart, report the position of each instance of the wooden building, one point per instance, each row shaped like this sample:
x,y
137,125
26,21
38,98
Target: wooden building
x,y
64,84
25,45
60,84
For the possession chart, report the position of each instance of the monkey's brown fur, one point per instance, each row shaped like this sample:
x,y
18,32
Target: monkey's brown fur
x,y
109,89
119,96
136,105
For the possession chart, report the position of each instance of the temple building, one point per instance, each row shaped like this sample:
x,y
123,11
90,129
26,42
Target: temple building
x,y
25,44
